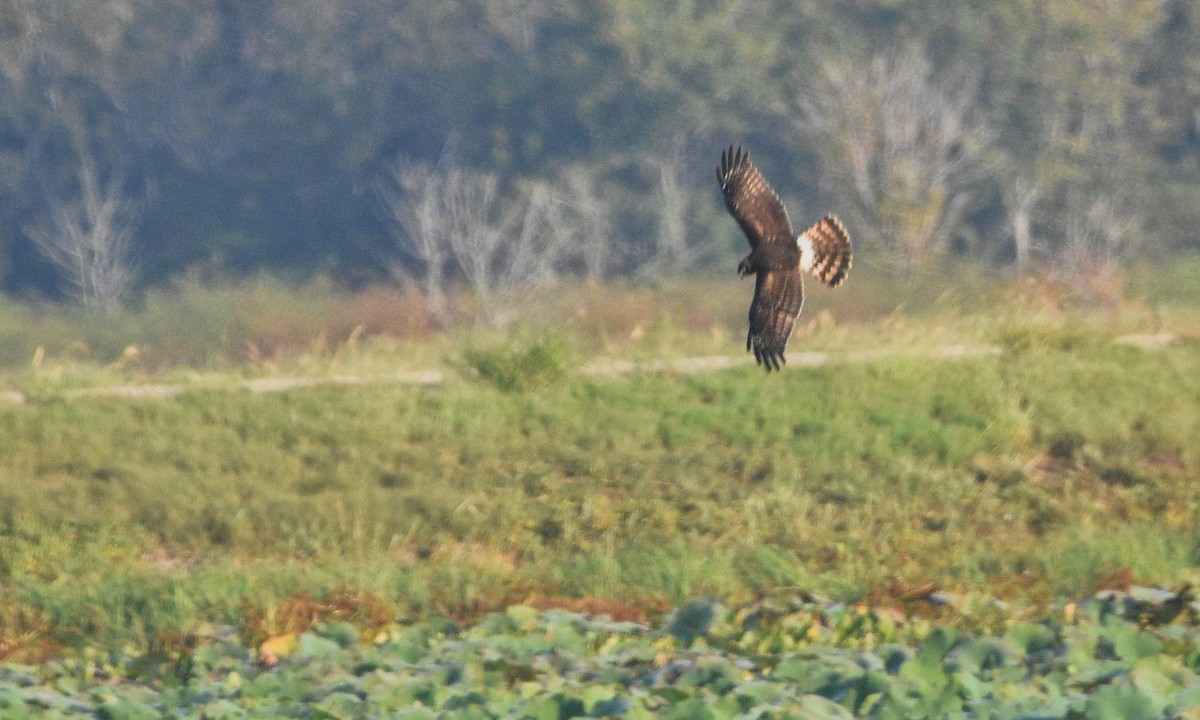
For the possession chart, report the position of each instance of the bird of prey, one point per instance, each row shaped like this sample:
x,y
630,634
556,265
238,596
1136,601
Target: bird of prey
x,y
778,257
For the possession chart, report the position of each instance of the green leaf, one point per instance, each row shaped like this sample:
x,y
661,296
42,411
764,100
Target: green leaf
x,y
126,709
757,692
939,643
601,700
690,709
972,687
11,698
815,707
219,655
12,702
1131,644
1120,702
717,677
692,620
1188,699
313,645
556,706
927,666
638,711
416,712
525,617
979,655
222,709
343,633
1159,676
827,673
867,690
727,706
1031,638
614,706
338,706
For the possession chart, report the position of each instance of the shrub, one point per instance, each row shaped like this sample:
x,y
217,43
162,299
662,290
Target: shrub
x,y
517,364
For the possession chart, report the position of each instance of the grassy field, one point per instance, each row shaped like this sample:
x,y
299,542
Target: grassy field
x,y
974,492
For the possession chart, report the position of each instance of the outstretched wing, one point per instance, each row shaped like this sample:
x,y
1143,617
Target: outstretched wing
x,y
751,201
778,296
825,251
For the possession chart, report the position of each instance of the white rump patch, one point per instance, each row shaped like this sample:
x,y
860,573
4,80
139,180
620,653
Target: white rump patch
x,y
807,256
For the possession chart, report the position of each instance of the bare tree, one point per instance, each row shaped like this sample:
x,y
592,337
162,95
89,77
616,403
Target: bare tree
x,y
1100,237
453,219
88,234
588,222
534,255
411,199
900,145
19,43
535,251
672,247
519,21
505,248
475,227
1020,199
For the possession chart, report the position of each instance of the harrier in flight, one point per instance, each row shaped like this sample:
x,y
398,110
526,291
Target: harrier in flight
x,y
778,258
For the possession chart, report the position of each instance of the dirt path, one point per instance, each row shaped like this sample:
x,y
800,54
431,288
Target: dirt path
x,y
595,368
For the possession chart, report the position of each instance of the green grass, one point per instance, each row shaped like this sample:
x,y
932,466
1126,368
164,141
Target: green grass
x,y
1028,477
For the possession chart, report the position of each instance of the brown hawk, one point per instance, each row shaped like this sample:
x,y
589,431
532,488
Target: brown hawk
x,y
777,256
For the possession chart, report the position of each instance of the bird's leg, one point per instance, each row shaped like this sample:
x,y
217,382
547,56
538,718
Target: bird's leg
x,y
746,266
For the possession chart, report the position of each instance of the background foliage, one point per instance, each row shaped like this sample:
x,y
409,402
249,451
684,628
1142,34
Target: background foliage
x,y
242,137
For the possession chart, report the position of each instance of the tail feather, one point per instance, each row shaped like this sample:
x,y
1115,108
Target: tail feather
x,y
825,251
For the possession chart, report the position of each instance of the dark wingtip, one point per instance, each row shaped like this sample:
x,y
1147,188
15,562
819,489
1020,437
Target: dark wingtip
x,y
769,358
774,360
731,157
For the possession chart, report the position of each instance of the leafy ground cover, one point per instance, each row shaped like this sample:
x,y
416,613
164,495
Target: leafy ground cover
x,y
816,661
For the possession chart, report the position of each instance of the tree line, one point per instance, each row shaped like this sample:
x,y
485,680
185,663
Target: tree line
x,y
504,143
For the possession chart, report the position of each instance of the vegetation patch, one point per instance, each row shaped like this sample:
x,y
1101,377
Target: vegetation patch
x,y
1025,477
518,364
799,659
229,546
